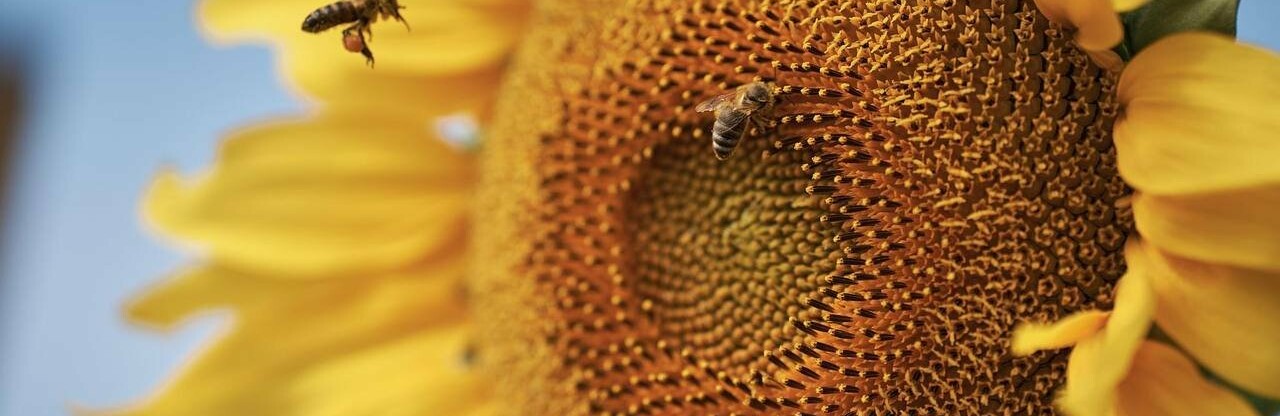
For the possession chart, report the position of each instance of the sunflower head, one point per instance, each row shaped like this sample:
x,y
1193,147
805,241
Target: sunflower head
x,y
928,176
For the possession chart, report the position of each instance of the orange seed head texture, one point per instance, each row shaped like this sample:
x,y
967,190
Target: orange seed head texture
x,y
931,174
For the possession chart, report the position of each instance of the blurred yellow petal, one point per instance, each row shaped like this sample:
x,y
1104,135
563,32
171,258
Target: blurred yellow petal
x,y
1096,22
1163,382
1200,115
337,242
1106,59
488,409
1127,5
203,289
235,20
295,347
444,37
1235,227
424,374
1029,338
1098,364
1225,317
1091,380
321,197
346,88
452,43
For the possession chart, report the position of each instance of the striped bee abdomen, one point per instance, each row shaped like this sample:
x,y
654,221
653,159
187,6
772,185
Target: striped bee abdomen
x,y
725,136
331,15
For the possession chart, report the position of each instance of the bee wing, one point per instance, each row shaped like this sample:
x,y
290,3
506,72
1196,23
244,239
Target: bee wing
x,y
715,102
731,119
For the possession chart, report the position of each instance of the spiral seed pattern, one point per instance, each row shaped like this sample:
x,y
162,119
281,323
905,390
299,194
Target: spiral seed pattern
x,y
932,173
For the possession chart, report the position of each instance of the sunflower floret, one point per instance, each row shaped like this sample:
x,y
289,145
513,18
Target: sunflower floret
x,y
929,176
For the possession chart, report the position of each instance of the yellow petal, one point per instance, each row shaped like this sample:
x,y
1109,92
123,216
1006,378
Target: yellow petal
x,y
419,374
350,89
1098,364
373,345
488,409
425,374
1236,227
1029,338
1225,317
456,75
321,197
1163,382
1091,380
234,20
176,298
1096,22
1200,115
1106,59
444,36
1127,5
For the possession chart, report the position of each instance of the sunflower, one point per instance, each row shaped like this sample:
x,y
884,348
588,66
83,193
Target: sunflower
x,y
931,176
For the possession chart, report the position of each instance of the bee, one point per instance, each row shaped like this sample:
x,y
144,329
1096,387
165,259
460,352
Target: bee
x,y
732,110
361,13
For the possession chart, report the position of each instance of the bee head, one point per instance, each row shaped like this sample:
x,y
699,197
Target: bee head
x,y
758,93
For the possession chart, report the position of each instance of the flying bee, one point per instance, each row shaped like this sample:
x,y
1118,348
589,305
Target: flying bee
x,y
732,110
361,13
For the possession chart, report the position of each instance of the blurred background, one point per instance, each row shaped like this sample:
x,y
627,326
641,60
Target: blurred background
x,y
95,96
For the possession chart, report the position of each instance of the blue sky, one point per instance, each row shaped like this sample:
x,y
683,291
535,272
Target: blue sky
x,y
121,88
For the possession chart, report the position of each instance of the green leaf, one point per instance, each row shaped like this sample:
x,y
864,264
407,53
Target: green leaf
x,y
1161,18
1264,405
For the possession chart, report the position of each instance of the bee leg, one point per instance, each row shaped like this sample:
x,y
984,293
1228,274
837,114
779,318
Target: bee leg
x,y
763,130
393,10
353,40
359,28
761,126
396,15
363,27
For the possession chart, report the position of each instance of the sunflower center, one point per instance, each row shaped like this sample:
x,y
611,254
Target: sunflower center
x,y
939,171
725,250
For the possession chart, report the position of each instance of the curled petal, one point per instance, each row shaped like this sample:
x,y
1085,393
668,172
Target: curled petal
x,y
1098,364
1224,316
1200,115
1097,24
322,197
1029,338
1092,377
1163,382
